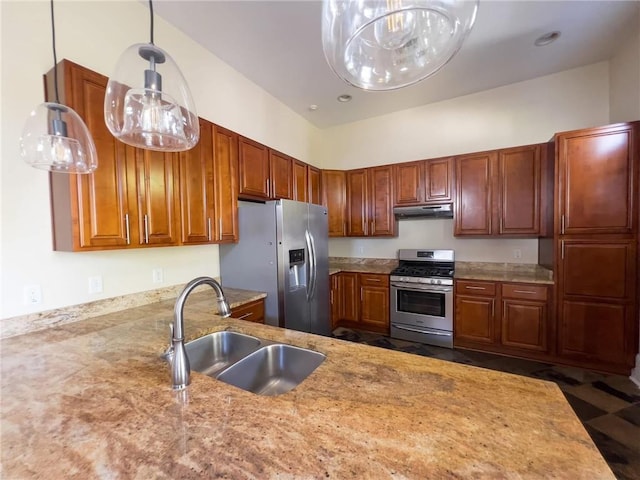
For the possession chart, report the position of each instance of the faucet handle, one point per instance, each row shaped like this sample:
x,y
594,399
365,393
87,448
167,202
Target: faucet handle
x,y
168,353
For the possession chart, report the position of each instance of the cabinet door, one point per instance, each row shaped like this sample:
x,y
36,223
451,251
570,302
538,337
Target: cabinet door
x,y
314,189
300,181
382,222
196,189
596,179
253,162
474,194
156,173
281,175
334,194
225,180
599,269
374,308
90,212
335,300
251,312
357,203
409,183
438,181
349,298
474,319
519,190
524,324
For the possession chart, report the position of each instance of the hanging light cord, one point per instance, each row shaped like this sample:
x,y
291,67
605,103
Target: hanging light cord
x,y
55,57
151,14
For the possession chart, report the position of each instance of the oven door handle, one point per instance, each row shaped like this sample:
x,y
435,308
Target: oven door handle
x,y
429,289
426,330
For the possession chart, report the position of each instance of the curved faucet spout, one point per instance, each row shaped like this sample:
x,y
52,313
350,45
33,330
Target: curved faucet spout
x,y
180,368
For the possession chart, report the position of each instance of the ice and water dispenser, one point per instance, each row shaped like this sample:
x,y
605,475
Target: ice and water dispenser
x,y
297,270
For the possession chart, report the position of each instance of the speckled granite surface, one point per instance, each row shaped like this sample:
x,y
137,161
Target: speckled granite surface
x,y
361,265
91,399
503,272
13,326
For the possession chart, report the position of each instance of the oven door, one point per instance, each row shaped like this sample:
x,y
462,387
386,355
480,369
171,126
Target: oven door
x,y
422,306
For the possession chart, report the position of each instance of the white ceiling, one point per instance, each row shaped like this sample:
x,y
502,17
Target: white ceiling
x,y
277,45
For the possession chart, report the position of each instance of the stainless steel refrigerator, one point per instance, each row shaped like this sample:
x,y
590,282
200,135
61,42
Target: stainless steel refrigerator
x,y
283,251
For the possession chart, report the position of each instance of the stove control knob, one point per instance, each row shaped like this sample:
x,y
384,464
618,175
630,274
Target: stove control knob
x,y
439,282
433,281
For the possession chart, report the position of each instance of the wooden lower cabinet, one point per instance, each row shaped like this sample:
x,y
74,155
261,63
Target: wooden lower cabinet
x,y
509,318
252,311
361,301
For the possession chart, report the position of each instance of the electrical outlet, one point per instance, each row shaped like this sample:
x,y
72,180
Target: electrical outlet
x,y
361,250
95,284
32,295
158,275
517,253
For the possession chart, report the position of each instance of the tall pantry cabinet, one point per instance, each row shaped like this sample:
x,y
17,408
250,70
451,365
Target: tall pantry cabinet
x,y
596,236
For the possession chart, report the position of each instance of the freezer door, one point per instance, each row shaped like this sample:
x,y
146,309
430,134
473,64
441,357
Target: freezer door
x,y
252,263
294,267
319,301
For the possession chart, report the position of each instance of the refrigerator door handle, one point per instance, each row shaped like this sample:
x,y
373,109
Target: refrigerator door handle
x,y
314,276
307,239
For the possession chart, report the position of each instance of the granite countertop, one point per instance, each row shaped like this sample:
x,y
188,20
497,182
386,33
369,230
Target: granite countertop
x,y
92,399
362,265
503,272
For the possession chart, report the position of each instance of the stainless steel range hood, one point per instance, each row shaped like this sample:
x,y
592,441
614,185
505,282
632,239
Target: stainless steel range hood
x,y
444,210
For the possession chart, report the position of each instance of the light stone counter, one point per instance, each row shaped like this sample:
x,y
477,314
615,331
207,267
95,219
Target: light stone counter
x,y
92,399
503,272
362,265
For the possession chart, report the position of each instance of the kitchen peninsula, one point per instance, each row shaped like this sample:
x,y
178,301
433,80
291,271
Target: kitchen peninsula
x,y
92,399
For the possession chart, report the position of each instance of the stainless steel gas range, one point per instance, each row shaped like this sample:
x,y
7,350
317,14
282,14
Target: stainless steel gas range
x,y
422,297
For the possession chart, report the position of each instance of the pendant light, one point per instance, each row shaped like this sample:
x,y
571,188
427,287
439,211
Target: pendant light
x,y
148,103
54,136
390,44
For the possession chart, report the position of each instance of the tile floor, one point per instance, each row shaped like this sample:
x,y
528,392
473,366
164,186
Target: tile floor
x,y
607,405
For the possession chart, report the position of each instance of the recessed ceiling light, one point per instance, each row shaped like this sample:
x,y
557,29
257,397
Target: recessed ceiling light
x,y
344,98
546,39
313,107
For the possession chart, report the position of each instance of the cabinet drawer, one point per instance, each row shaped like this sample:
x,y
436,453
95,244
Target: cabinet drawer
x,y
524,291
472,287
253,312
374,280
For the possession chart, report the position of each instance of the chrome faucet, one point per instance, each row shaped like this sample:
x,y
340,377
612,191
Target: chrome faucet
x,y
176,354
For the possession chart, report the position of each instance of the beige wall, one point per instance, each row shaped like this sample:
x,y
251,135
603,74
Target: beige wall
x,y
517,114
624,71
94,34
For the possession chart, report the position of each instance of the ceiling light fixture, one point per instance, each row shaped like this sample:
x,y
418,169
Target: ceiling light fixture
x,y
345,97
390,44
313,107
546,39
54,136
160,114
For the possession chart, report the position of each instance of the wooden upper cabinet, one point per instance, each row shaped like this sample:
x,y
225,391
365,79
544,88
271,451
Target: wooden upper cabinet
x,y
156,178
519,190
474,193
382,222
314,189
300,181
225,180
196,189
596,175
94,211
334,198
280,175
423,182
409,180
357,203
438,180
253,169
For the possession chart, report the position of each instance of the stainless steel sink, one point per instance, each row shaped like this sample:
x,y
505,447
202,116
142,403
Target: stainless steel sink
x,y
273,369
212,353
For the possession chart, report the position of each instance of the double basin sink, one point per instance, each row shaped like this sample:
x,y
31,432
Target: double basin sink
x,y
250,363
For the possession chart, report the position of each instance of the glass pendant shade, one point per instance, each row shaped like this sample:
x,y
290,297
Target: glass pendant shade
x,y
55,138
148,103
390,44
